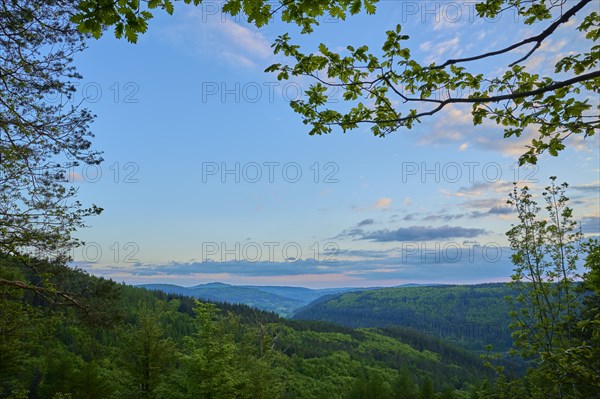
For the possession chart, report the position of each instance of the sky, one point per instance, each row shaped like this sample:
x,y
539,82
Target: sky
x,y
210,176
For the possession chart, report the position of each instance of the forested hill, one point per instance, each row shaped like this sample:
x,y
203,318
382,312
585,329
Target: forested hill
x,y
217,292
282,300
115,341
469,315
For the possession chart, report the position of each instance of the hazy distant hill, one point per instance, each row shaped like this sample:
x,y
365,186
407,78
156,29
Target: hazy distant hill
x,y
302,294
469,315
283,300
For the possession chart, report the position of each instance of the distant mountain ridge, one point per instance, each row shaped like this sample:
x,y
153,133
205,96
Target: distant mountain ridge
x,y
280,299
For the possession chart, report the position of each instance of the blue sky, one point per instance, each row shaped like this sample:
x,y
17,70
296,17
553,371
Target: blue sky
x,y
210,176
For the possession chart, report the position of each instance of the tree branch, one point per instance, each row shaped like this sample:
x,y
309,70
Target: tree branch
x,y
538,39
478,100
42,291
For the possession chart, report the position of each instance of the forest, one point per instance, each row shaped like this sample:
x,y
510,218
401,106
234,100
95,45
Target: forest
x,y
135,343
471,316
119,341
110,325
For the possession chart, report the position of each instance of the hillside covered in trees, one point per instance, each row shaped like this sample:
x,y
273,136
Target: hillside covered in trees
x,y
119,341
128,342
472,316
281,300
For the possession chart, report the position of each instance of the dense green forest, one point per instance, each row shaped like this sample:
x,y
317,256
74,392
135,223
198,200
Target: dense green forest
x,y
472,316
126,342
119,341
66,334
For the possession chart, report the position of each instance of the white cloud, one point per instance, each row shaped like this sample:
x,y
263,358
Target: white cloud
x,y
534,62
383,203
582,144
480,189
449,48
440,136
426,46
447,24
509,147
238,59
220,38
553,46
245,39
73,176
451,125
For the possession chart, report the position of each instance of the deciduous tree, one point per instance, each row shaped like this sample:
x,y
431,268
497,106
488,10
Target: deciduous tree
x,y
388,89
547,311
